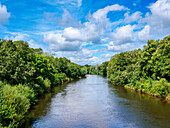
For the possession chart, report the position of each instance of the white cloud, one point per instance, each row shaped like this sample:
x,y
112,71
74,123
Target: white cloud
x,y
4,15
99,60
24,37
77,3
84,56
121,47
159,19
16,36
100,19
81,56
144,34
94,60
87,33
101,14
87,43
105,57
134,17
123,34
33,44
57,42
83,53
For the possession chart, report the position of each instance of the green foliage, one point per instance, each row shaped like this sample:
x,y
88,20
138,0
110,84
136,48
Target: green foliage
x,y
15,62
14,104
146,70
83,71
98,69
47,83
28,92
155,59
28,73
159,88
123,67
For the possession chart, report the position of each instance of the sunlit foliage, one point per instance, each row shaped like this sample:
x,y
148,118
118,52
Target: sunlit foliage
x,y
26,73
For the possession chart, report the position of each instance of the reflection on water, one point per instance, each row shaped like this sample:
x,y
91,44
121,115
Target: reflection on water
x,y
92,103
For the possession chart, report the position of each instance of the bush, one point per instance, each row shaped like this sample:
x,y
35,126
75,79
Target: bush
x,y
157,88
13,105
47,83
28,92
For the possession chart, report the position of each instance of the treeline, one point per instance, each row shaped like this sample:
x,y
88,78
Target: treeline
x,y
25,74
98,69
146,70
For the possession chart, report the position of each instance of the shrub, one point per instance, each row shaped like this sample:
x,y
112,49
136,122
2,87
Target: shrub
x,y
13,105
47,83
28,92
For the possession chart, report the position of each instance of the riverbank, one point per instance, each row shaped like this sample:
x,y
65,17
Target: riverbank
x,y
54,90
27,73
159,88
167,98
17,101
76,104
146,70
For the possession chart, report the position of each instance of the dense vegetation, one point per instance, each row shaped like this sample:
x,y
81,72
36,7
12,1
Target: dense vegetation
x,y
98,69
26,73
146,70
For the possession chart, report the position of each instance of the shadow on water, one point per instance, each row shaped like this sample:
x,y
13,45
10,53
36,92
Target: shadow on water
x,y
153,111
43,104
92,103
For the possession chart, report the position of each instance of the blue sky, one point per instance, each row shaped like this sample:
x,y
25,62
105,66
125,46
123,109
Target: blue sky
x,y
85,31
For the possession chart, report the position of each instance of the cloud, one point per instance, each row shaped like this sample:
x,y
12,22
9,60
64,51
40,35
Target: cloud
x,y
83,53
85,56
88,33
121,47
81,56
16,36
91,31
65,21
99,60
144,34
123,34
77,3
134,17
76,39
57,42
100,17
33,44
106,57
93,60
101,14
4,15
68,20
159,18
24,37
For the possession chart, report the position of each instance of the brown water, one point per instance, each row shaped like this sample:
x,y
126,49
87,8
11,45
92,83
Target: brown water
x,y
92,103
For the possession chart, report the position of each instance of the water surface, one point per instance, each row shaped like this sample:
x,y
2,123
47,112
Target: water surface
x,y
92,103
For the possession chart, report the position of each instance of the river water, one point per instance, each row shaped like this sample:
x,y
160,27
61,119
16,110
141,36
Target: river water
x,y
92,103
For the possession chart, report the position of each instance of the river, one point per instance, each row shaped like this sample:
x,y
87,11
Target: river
x,y
92,103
